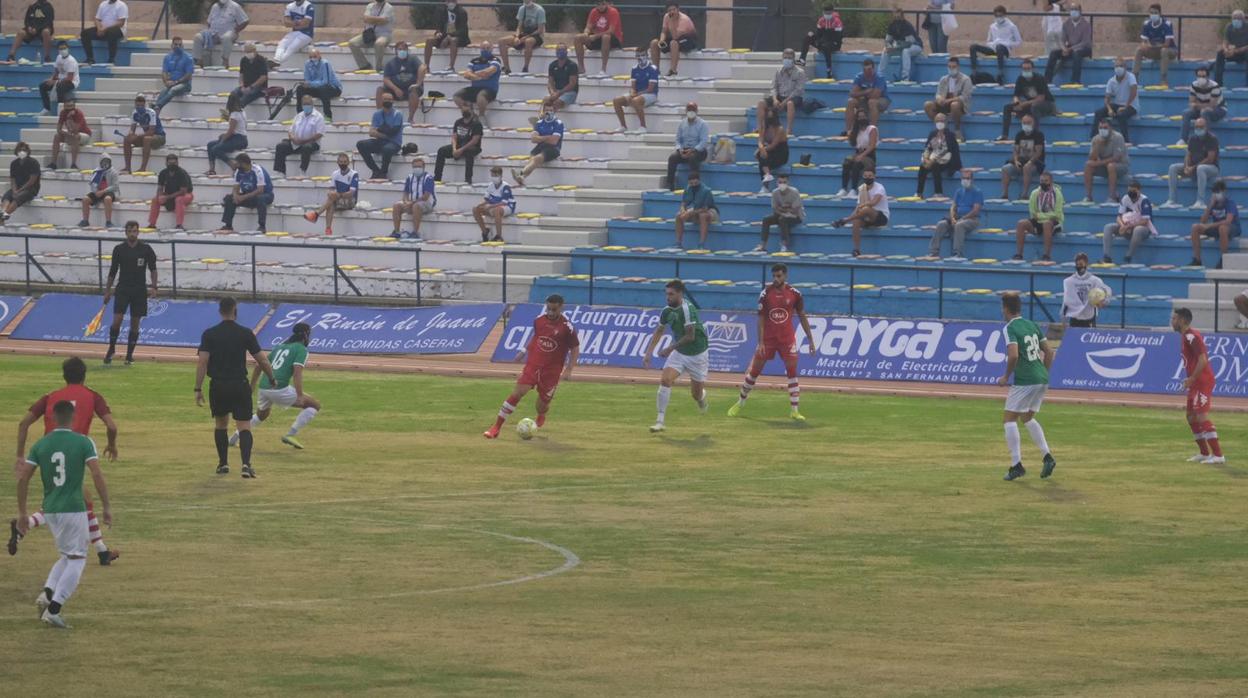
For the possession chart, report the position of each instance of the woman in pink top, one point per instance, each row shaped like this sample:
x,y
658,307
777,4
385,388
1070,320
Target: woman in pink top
x,y
677,29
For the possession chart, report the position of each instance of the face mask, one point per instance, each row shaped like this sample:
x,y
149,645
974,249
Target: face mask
x,y
21,154
548,117
782,186
1028,128
1202,81
691,116
343,167
827,15
1154,18
1075,14
1119,71
966,183
1104,132
1237,23
1027,74
177,50
642,61
868,182
1218,198
561,55
450,6
418,171
788,63
171,164
403,54
64,53
496,180
307,109
387,105
105,164
1199,131
1046,187
1000,21
953,72
487,54
693,186
139,107
940,126
1135,195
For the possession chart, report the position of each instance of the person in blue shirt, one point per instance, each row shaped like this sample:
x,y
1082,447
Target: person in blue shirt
x,y
403,78
145,130
696,204
320,81
499,203
869,93
1220,220
176,72
253,188
483,74
344,192
643,91
547,141
1156,42
385,138
419,199
693,138
963,218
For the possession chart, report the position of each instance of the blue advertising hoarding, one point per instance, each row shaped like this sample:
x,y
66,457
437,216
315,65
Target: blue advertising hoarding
x,y
62,317
343,329
10,306
1144,362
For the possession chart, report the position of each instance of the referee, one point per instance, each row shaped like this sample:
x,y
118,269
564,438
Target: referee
x,y
223,351
130,260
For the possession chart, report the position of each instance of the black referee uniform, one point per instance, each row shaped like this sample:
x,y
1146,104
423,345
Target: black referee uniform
x,y
131,265
227,345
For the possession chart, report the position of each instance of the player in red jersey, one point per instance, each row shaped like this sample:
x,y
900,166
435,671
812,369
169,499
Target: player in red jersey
x,y
777,304
88,405
547,362
1199,386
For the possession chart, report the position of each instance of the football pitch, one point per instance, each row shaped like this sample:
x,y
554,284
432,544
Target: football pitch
x,y
874,550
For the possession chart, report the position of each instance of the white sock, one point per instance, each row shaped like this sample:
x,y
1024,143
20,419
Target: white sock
x,y
99,545
665,394
54,576
1037,436
1014,442
701,398
255,421
302,420
35,520
68,582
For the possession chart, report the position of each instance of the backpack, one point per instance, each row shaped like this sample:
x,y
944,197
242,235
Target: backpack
x,y
725,152
979,77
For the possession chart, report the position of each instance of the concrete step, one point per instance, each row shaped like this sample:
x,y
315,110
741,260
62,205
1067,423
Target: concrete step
x,y
602,211
756,70
1225,291
488,287
554,237
529,266
634,183
1203,314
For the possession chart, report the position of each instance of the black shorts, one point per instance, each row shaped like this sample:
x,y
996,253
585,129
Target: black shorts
x,y
1090,322
879,221
230,398
94,198
134,301
469,94
535,37
1038,227
20,199
595,43
403,94
686,44
439,37
546,150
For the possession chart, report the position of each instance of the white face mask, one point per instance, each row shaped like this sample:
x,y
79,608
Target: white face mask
x,y
966,183
782,186
953,72
1075,14
940,126
21,154
1202,81
496,180
1119,71
1154,18
1000,21
418,170
64,53
691,115
1028,128
1104,132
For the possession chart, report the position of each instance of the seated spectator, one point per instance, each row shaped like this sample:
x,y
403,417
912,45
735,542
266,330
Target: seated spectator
x,y
693,138
1234,47
697,205
1200,163
419,199
869,94
176,74
827,38
530,26
233,139
643,91
1134,222
320,81
940,156
1003,37
65,78
174,192
1107,158
864,137
1031,96
1026,161
1076,46
483,74
1122,100
343,195
145,130
773,150
36,25
1156,42
104,190
1051,26
300,18
253,188
253,76
403,78
901,39
499,203
603,30
963,218
1046,212
71,128
1204,100
23,181
871,211
226,20
547,143
953,97
788,89
1220,220
787,212
450,32
562,81
677,29
385,137
303,137
378,31
109,27
466,137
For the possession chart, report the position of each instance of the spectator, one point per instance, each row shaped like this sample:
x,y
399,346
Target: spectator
x,y
23,181
104,190
1156,42
1204,100
562,80
1051,25
934,22
547,141
603,30
253,188
1122,100
1075,47
530,26
403,78
865,137
871,211
1134,222
176,73
300,17
378,31
1075,291
953,97
450,33
71,128
827,38
304,138
1003,37
145,130
174,191
787,212
37,25
643,91
226,20
344,193
1220,220
1027,160
697,204
253,76
773,150
940,156
788,90
963,218
466,137
109,27
483,72
499,203
233,139
1234,46
65,78
900,39
869,94
692,141
1200,163
385,137
1046,212
320,81
419,199
1108,158
1031,96
677,29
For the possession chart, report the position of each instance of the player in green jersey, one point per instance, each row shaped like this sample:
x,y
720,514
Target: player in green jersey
x,y
686,354
1029,357
62,457
287,360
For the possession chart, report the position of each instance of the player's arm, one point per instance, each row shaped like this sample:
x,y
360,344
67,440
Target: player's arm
x,y
687,338
101,489
24,471
23,427
297,380
654,342
255,378
113,268
573,357
110,426
1048,353
201,370
762,327
151,265
1011,360
264,365
810,336
1201,364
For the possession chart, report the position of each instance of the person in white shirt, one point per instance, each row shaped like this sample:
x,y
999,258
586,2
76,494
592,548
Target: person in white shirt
x,y
1075,290
1052,26
304,137
64,79
419,199
871,211
233,139
226,20
1135,222
109,27
300,17
1003,37
378,32
344,193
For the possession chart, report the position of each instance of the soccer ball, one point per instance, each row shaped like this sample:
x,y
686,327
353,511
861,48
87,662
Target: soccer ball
x,y
526,428
1096,296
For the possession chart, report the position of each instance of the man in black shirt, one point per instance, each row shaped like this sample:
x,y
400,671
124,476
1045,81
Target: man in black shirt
x,y
223,350
253,76
1031,96
24,173
562,80
173,191
37,25
130,259
465,143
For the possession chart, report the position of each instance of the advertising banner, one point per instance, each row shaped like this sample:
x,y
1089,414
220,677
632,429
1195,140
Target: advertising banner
x,y
9,308
345,329
62,317
1144,362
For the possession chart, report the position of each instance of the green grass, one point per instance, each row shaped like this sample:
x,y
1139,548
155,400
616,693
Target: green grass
x,y
873,551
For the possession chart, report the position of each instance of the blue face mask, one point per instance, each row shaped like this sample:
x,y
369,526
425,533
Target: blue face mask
x,y
307,109
1237,23
561,54
177,50
487,54
403,55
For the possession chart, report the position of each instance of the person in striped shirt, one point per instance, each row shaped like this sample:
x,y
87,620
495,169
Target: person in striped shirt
x,y
343,194
1204,101
499,203
419,199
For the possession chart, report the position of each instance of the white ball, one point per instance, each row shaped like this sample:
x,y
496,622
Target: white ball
x,y
1096,296
526,428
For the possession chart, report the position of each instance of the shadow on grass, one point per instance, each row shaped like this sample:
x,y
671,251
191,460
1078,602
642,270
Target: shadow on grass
x,y
1229,471
699,442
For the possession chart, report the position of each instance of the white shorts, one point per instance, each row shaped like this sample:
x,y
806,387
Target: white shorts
x,y
70,532
424,206
292,43
650,98
695,366
282,397
1025,398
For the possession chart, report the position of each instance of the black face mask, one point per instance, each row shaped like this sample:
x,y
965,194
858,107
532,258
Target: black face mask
x,y
1135,195
1046,187
868,182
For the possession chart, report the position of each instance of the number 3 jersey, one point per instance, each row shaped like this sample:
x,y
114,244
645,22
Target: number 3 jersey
x,y
284,358
1030,368
61,458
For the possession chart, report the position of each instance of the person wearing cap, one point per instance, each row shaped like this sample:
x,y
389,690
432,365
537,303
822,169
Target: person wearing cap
x,y
1075,291
1135,222
562,80
403,78
71,128
693,138
104,190
145,130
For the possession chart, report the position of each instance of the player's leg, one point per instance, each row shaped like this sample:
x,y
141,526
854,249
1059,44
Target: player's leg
x,y
70,532
264,407
1013,442
666,380
1036,431
523,386
221,438
759,360
308,407
96,536
114,331
795,389
137,310
1210,434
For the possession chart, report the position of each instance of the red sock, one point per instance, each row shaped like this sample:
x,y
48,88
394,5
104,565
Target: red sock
x,y
1211,436
541,419
504,412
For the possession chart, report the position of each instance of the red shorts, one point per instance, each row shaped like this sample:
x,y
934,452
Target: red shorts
x,y
786,350
1200,397
544,378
